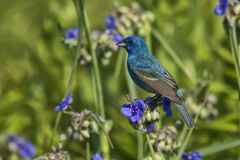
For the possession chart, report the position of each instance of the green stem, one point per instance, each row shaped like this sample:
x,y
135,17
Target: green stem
x,y
236,57
140,146
183,134
118,65
94,57
219,147
88,154
174,55
133,93
69,85
94,91
151,148
96,72
185,137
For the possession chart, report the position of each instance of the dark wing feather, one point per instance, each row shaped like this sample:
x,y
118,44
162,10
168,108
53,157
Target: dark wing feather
x,y
164,85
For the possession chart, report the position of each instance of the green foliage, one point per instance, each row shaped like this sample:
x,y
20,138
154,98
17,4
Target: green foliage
x,y
35,69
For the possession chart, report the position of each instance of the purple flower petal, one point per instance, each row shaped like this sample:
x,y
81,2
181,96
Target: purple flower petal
x,y
137,116
185,156
150,127
166,106
220,9
110,22
224,2
192,156
125,109
72,33
140,104
116,37
97,156
25,148
67,101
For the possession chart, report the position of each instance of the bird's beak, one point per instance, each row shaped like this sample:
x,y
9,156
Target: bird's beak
x,y
121,44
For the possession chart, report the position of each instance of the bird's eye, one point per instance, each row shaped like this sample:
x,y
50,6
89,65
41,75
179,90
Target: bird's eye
x,y
130,41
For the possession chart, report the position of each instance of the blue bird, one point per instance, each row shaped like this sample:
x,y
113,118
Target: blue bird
x,y
148,73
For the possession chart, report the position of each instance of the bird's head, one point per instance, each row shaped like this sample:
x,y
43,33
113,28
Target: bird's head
x,y
133,44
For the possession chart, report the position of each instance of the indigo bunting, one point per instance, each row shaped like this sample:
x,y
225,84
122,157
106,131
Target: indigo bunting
x,y
148,73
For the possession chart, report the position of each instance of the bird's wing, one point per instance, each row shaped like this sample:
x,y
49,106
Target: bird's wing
x,y
156,77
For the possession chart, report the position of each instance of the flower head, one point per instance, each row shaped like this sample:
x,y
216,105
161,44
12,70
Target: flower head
x,y
167,106
71,37
222,7
134,111
97,156
165,140
192,156
140,116
72,33
67,101
110,22
24,148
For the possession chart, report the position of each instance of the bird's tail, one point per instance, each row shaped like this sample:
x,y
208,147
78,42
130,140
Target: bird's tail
x,y
186,117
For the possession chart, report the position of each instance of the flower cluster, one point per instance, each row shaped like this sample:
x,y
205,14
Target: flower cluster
x,y
21,146
140,116
165,140
199,100
104,42
55,155
83,124
192,156
132,20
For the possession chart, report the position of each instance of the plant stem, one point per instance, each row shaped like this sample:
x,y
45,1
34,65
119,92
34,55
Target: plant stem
x,y
69,85
236,57
153,155
189,133
88,155
140,146
133,93
151,148
96,72
118,65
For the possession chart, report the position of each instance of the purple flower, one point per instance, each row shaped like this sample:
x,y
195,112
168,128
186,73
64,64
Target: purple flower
x,y
222,7
25,148
67,101
72,34
116,37
192,156
134,111
150,127
167,106
97,156
153,102
110,22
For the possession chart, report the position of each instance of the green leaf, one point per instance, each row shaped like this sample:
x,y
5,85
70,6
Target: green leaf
x,y
219,147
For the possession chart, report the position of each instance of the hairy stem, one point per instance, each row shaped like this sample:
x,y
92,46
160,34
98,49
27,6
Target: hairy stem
x,y
96,72
69,85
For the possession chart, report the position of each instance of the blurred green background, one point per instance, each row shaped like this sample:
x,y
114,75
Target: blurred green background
x,y
35,67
